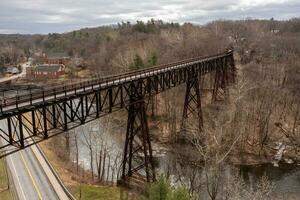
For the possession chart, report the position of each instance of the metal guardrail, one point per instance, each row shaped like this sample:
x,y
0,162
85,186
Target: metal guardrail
x,y
59,90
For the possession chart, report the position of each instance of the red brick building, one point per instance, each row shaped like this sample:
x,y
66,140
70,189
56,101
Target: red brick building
x,y
56,58
48,71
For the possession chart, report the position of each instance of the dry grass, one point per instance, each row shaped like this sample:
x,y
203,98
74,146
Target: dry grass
x,y
80,188
5,193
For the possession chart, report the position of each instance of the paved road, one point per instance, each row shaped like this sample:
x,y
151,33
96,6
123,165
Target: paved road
x,y
31,178
16,76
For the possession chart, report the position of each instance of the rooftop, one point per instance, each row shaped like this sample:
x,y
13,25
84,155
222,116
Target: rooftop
x,y
57,55
47,68
12,69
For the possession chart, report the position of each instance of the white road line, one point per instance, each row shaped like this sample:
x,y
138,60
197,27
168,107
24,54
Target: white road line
x,y
16,174
31,177
57,188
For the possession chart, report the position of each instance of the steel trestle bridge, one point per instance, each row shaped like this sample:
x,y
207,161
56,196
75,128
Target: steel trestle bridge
x,y
56,110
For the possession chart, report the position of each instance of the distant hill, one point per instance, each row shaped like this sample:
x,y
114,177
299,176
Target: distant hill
x,y
110,49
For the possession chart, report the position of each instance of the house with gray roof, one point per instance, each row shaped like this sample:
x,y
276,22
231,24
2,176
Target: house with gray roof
x,y
12,70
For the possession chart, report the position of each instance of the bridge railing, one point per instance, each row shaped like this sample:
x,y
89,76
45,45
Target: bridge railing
x,y
62,91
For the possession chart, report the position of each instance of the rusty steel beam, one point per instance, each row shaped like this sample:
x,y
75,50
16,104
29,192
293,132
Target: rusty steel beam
x,y
220,87
137,155
192,104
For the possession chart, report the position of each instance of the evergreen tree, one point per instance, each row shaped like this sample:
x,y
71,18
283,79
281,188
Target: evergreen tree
x,y
140,27
137,63
160,189
74,34
179,193
152,60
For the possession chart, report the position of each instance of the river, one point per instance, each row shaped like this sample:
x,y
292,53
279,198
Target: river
x,y
285,179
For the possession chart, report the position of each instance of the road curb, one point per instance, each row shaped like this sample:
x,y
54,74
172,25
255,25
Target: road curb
x,y
68,193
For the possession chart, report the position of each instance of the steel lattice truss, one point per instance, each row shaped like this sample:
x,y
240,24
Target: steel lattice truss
x,y
192,103
137,157
37,117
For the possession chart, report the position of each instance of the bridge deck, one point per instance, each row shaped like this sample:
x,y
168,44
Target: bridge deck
x,y
66,91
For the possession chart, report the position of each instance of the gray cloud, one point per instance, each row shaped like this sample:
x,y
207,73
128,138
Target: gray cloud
x,y
43,16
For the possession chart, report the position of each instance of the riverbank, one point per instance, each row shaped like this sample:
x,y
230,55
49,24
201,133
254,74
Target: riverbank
x,y
182,161
79,181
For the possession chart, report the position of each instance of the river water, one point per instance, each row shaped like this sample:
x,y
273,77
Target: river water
x,y
285,178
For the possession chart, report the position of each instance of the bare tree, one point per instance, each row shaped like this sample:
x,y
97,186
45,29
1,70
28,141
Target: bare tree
x,y
214,150
89,142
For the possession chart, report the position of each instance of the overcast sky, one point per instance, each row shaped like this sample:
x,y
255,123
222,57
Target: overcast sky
x,y
44,16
